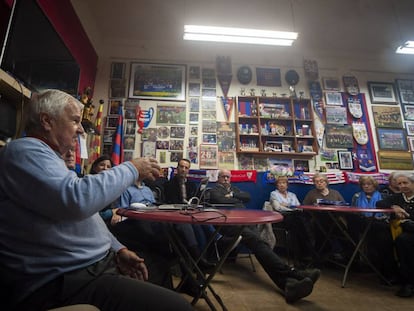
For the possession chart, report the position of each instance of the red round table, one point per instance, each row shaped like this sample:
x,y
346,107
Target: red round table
x,y
211,216
333,211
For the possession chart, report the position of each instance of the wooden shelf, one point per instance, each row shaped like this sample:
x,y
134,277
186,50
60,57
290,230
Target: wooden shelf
x,y
12,89
16,93
269,123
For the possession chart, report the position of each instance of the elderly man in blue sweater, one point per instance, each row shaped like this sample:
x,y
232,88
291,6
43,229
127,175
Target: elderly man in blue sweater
x,y
55,249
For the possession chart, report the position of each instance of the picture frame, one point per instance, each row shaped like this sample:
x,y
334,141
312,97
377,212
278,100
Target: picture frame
x,y
331,84
382,93
113,106
268,77
158,81
387,160
345,160
392,139
208,157
409,126
405,88
411,143
387,116
333,98
171,114
117,70
336,115
409,112
339,136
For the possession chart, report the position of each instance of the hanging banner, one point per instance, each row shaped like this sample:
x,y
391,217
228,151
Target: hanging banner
x,y
228,103
243,175
224,76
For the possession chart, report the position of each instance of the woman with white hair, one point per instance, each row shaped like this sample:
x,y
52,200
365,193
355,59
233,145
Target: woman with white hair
x,y
403,206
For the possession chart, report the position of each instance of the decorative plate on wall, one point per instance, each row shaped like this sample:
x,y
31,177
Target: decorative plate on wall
x,y
244,75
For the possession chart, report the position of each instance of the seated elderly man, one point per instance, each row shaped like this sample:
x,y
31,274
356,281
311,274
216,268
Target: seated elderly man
x,y
55,249
296,284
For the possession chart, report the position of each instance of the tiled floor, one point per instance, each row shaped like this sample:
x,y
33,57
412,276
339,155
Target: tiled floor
x,y
242,289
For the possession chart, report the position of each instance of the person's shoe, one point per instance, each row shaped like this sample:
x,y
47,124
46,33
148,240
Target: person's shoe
x,y
312,274
406,291
297,289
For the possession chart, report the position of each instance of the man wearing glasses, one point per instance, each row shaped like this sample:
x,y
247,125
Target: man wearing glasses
x,y
295,284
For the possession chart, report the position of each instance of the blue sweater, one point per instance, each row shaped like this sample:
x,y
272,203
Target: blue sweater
x,y
49,217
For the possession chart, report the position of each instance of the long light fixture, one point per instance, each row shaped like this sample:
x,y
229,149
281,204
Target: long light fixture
x,y
239,35
406,48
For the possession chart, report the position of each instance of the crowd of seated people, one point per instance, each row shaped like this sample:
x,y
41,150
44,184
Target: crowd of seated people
x,y
294,283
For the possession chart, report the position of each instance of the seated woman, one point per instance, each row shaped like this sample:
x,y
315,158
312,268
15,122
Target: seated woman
x,y
108,214
295,221
403,206
322,191
392,186
379,239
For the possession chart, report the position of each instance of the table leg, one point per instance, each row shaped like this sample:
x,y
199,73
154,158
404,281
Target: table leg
x,y
357,250
190,264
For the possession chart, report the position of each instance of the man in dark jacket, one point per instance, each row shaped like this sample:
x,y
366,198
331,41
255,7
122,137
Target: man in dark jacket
x,y
296,284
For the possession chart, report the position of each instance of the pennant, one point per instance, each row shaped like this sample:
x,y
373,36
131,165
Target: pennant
x,y
228,106
96,141
117,148
243,175
225,81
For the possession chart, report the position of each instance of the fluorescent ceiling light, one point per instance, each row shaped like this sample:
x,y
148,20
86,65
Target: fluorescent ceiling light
x,y
239,35
406,48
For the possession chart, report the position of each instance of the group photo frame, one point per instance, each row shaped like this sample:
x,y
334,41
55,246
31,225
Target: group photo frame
x,y
382,93
392,139
158,81
405,89
387,116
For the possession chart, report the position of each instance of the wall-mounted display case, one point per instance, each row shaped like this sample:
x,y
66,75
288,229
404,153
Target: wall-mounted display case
x,y
271,125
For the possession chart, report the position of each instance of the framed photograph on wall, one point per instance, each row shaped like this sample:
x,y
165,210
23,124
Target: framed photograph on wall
x,y
405,89
333,98
387,116
382,93
409,112
409,126
268,77
331,84
339,136
157,81
392,139
345,160
411,143
117,70
387,160
171,114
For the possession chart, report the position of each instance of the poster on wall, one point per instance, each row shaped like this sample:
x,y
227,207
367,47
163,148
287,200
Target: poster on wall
x,y
208,156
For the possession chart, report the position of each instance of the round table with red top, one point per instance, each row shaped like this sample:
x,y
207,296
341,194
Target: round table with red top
x,y
203,216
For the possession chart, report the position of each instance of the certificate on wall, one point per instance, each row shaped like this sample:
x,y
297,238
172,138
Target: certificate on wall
x,y
208,156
